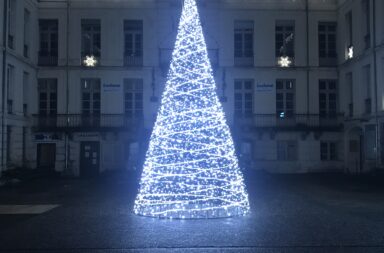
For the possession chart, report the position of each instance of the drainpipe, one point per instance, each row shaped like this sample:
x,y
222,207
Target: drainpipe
x,y
378,148
5,19
67,90
307,60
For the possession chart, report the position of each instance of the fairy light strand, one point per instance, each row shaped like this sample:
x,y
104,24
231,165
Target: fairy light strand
x,y
191,169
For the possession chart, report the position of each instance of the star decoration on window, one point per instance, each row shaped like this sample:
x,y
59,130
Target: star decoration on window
x,y
284,61
90,61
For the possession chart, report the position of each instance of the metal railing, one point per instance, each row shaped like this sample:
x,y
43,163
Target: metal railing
x,y
244,61
328,61
133,61
296,121
47,59
122,121
89,122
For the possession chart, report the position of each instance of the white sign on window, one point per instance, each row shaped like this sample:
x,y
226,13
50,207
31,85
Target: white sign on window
x,y
108,87
264,87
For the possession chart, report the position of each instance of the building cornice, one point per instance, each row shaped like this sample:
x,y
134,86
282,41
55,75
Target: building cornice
x,y
327,5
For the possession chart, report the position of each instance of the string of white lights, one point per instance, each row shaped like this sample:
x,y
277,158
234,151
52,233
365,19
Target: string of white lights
x,y
191,169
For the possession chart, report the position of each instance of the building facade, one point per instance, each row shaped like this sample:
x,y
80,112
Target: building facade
x,y
301,81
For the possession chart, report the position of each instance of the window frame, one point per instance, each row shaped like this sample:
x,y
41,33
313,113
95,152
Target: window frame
x,y
329,151
285,29
94,98
136,92
327,53
243,39
285,111
325,110
246,95
283,150
91,36
49,87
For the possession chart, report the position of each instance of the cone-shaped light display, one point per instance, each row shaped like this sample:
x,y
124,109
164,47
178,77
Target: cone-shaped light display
x,y
191,170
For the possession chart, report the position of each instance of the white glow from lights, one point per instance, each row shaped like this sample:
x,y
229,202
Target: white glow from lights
x,y
191,169
284,61
350,52
90,61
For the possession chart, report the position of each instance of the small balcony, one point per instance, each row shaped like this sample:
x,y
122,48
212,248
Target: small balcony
x,y
133,61
295,122
47,59
79,122
244,61
328,61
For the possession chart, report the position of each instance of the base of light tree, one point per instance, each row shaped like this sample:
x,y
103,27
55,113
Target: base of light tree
x,y
192,212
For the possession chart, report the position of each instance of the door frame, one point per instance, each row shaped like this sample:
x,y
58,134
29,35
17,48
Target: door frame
x,y
85,173
355,134
38,158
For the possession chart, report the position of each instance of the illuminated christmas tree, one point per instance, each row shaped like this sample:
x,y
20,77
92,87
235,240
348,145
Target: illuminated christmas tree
x,y
191,169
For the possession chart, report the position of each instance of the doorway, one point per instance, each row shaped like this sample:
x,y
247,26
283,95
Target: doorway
x,y
46,156
89,159
355,151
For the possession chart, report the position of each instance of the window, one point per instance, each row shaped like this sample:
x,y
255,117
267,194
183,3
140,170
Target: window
x,y
133,42
9,144
244,97
24,146
133,97
370,142
90,89
25,92
285,38
11,23
287,150
349,35
10,87
381,134
90,39
367,83
328,151
367,23
327,44
328,98
285,98
27,17
349,83
47,88
48,51
243,42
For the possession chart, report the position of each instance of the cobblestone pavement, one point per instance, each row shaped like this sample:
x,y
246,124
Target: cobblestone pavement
x,y
290,213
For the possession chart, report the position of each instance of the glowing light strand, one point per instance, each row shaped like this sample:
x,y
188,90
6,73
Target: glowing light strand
x,y
191,169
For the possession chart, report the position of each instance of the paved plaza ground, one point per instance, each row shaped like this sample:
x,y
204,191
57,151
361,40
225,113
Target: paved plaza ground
x,y
290,213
